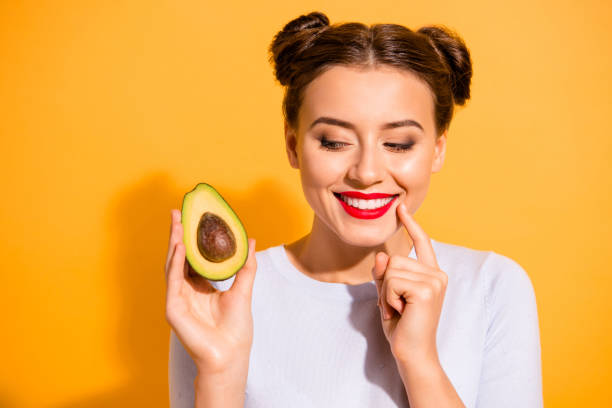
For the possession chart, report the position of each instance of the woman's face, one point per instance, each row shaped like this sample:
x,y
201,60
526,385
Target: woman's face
x,y
365,131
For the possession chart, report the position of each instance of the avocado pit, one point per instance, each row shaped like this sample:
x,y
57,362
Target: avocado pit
x,y
216,242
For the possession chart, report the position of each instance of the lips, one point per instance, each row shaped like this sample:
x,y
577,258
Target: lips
x,y
371,196
363,213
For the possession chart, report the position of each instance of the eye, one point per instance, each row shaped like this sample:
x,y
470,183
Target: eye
x,y
330,144
400,147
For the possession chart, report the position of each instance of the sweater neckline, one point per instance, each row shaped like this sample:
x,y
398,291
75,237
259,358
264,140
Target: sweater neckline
x,y
328,290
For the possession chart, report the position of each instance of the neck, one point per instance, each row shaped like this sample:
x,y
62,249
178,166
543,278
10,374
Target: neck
x,y
324,257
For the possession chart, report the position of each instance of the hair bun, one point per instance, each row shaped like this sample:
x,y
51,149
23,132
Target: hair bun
x,y
292,41
315,19
454,53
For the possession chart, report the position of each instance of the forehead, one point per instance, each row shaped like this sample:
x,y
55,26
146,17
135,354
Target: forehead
x,y
368,97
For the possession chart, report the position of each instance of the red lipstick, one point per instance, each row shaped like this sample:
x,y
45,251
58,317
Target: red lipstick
x,y
357,194
365,213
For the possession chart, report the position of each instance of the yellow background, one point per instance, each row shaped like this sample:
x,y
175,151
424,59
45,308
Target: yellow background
x,y
111,110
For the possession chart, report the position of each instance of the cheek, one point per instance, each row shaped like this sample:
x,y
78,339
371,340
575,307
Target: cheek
x,y
321,169
412,173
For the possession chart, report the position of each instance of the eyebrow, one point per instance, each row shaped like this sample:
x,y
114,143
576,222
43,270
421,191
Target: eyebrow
x,y
348,125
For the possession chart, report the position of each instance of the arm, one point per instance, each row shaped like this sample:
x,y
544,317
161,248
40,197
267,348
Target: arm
x,y
410,297
189,386
511,370
427,385
225,389
209,347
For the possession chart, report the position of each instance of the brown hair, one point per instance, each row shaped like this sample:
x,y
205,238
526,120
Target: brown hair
x,y
308,45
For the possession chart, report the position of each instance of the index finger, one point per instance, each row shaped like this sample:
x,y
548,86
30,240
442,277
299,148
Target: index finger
x,y
422,244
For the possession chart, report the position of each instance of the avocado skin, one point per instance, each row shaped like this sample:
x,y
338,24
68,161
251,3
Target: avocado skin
x,y
205,198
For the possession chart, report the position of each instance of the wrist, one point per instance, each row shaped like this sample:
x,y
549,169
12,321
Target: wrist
x,y
228,381
224,388
237,366
222,361
427,384
417,358
421,364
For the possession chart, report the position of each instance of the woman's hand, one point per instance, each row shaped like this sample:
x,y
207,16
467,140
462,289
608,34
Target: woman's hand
x,y
215,327
410,294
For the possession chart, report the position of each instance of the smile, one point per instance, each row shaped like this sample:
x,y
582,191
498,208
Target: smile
x,y
365,206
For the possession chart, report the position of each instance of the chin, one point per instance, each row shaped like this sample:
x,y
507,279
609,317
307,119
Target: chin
x,y
366,238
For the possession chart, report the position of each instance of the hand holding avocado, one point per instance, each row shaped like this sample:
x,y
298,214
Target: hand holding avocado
x,y
216,327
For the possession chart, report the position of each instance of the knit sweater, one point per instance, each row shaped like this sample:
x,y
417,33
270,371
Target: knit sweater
x,y
320,344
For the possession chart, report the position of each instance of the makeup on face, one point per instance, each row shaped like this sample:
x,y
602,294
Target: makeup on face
x,y
365,146
365,206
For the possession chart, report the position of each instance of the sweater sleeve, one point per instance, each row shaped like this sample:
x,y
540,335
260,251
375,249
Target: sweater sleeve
x,y
182,372
511,369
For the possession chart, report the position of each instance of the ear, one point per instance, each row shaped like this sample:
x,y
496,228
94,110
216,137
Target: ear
x,y
440,151
291,146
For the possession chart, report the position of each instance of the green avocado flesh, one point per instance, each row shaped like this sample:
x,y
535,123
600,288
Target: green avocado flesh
x,y
215,240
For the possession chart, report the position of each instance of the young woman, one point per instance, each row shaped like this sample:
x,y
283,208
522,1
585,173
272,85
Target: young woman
x,y
366,310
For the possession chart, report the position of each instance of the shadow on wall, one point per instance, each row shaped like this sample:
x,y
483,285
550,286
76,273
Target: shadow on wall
x,y
139,225
5,402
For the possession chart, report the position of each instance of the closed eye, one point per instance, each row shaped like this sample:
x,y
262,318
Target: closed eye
x,y
331,145
400,147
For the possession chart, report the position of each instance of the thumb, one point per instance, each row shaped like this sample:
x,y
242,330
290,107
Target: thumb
x,y
243,282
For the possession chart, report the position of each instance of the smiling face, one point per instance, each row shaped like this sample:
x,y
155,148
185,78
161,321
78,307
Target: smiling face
x,y
365,131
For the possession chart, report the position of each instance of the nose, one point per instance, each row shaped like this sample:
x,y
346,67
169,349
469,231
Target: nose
x,y
368,167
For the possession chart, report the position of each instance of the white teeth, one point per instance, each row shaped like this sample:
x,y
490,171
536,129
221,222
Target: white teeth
x,y
366,204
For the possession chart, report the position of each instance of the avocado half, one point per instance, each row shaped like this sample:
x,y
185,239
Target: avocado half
x,y
216,244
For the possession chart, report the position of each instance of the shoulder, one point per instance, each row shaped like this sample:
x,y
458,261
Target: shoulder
x,y
453,255
497,274
506,281
463,265
503,281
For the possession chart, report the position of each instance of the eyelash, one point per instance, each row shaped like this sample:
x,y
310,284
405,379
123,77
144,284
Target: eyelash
x,y
334,146
327,145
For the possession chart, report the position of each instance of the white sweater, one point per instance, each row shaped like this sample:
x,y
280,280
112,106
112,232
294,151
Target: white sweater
x,y
318,344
